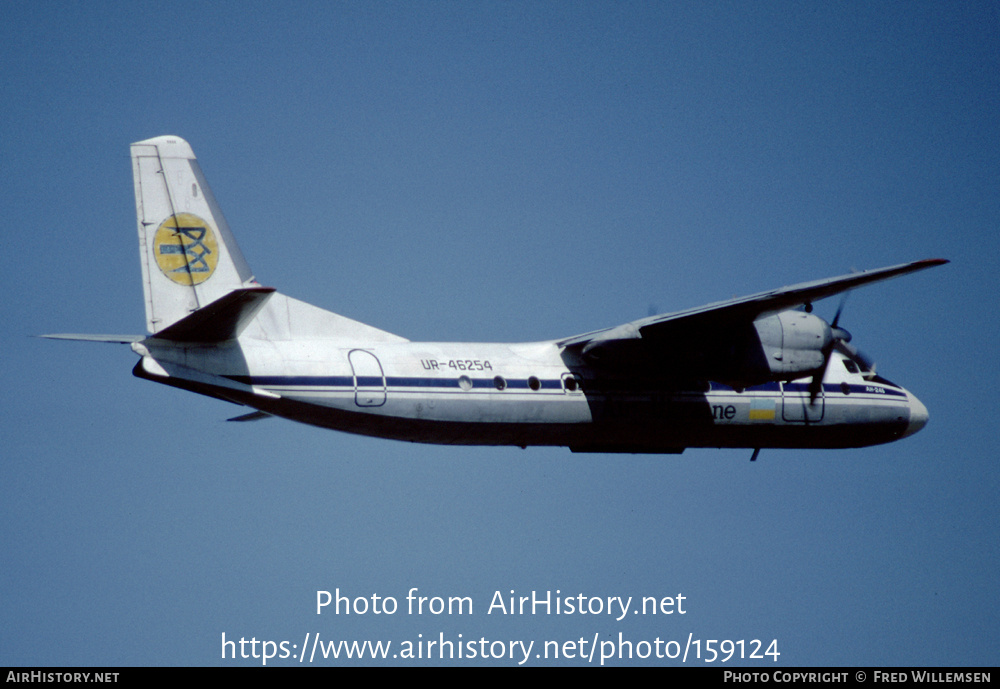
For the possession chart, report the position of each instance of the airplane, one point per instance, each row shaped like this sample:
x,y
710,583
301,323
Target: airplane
x,y
760,371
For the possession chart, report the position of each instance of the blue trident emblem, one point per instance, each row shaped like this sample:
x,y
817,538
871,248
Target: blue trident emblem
x,y
194,252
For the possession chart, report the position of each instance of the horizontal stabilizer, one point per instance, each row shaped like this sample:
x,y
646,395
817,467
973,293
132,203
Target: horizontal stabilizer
x,y
119,339
252,416
223,319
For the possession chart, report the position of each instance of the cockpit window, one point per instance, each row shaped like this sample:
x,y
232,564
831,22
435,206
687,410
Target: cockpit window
x,y
850,366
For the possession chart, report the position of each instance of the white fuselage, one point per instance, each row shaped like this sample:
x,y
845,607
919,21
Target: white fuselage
x,y
526,394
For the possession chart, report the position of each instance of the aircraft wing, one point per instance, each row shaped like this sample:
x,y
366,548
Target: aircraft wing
x,y
740,310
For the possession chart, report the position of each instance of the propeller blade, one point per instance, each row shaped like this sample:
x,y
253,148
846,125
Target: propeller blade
x,y
816,385
840,309
839,336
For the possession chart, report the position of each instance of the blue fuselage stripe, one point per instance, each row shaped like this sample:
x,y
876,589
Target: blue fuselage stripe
x,y
348,382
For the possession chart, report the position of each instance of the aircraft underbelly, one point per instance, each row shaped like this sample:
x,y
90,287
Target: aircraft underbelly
x,y
644,423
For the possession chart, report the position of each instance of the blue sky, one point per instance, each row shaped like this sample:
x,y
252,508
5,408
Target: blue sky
x,y
500,171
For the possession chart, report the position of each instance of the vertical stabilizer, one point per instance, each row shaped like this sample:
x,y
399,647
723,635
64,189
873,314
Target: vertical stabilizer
x,y
189,256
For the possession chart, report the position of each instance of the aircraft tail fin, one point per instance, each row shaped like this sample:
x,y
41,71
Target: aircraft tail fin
x,y
198,286
189,256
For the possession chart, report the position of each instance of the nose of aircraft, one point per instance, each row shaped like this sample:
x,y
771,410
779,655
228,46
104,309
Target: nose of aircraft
x,y
918,416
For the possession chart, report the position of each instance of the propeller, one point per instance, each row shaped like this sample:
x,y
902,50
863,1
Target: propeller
x,y
838,338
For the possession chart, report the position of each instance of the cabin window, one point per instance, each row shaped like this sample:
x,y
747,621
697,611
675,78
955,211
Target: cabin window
x,y
465,383
534,383
571,383
499,383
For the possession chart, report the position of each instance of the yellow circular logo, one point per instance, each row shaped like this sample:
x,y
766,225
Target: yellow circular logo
x,y
186,249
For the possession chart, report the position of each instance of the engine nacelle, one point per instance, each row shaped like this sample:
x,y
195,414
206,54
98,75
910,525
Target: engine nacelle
x,y
783,346
792,344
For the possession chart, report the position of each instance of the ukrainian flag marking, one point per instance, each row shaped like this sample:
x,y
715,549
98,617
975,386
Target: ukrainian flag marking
x,y
762,409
